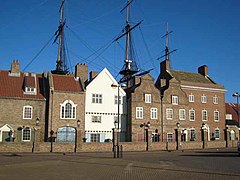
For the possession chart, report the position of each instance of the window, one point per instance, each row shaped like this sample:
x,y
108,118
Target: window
x,y
96,119
192,135
217,133
148,98
182,114
215,100
139,113
153,113
27,112
169,113
116,100
175,100
68,110
192,115
204,115
191,98
97,98
26,134
169,137
203,99
95,137
216,115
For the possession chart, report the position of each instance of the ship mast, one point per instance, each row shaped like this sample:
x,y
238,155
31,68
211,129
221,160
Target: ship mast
x,y
61,61
130,67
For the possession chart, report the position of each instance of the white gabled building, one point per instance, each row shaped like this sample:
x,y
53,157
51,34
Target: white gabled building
x,y
101,108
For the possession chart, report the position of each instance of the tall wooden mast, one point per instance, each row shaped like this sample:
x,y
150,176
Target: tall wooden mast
x,y
130,66
61,61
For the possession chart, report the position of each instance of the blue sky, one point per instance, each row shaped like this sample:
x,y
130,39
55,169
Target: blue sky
x,y
204,32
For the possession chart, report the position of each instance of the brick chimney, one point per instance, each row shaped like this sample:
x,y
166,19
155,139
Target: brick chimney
x,y
165,66
81,71
93,74
15,67
203,70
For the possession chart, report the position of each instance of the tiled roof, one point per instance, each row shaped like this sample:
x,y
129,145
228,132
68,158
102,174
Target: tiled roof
x,y
190,77
66,83
232,109
12,86
29,81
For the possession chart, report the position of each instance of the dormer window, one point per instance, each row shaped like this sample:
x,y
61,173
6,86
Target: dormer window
x,y
30,84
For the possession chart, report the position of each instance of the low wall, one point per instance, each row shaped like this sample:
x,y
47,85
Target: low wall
x,y
107,147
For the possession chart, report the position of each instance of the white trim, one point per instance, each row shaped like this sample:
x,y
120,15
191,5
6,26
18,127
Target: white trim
x,y
24,111
154,110
189,115
184,114
167,114
30,134
73,106
140,110
203,88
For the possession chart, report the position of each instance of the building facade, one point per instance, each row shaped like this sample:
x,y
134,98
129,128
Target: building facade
x,y
23,105
101,115
193,101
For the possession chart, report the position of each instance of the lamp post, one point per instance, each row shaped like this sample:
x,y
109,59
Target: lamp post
x,y
146,127
237,95
51,137
118,116
177,139
34,130
10,135
76,134
203,135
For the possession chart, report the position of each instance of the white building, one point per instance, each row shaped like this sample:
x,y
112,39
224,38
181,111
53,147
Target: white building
x,y
101,108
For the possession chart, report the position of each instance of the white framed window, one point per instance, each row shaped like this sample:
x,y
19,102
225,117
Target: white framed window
x,y
97,98
192,134
169,113
26,134
27,112
175,100
116,99
169,137
204,99
68,110
216,115
95,137
204,115
148,98
182,114
192,115
153,113
139,112
191,98
215,100
217,133
96,119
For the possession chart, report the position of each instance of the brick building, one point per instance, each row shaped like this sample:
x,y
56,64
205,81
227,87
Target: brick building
x,y
66,104
143,106
232,121
194,101
22,104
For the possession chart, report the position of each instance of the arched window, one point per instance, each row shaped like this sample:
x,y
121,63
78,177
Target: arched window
x,y
68,110
66,134
26,134
27,112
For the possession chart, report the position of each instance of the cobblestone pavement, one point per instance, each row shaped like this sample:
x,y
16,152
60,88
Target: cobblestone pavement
x,y
207,164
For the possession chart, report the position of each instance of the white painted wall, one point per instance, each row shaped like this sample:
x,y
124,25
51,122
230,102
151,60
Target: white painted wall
x,y
102,85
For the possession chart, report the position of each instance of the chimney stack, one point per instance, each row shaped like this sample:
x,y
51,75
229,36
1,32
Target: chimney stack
x,y
165,65
81,71
15,67
203,70
92,75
